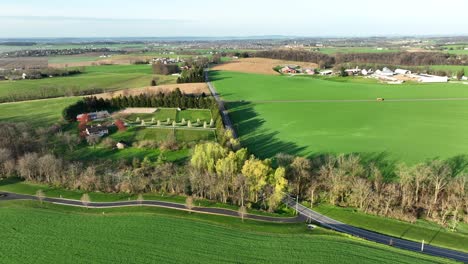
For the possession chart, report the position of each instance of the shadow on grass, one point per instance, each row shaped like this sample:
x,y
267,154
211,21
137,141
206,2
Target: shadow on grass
x,y
261,142
217,76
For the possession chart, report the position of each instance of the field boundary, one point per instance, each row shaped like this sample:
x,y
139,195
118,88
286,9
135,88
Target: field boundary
x,y
345,101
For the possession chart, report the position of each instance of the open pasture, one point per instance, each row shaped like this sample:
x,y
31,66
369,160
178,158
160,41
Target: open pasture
x,y
148,235
94,79
278,120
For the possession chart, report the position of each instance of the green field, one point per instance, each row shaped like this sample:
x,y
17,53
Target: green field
x,y
431,232
37,113
148,235
94,78
410,131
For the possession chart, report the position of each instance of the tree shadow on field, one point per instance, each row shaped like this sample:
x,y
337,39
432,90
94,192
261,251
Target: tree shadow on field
x,y
261,142
458,164
217,76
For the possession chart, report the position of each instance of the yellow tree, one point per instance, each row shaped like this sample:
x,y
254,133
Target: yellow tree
x,y
256,172
278,183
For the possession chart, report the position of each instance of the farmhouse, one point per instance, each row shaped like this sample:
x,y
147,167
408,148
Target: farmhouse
x,y
97,131
402,71
289,69
326,72
426,78
92,116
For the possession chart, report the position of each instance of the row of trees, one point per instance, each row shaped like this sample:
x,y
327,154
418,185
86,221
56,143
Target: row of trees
x,y
192,75
173,99
435,190
386,59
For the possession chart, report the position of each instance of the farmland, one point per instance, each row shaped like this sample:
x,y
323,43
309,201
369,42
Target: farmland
x,y
82,232
95,79
39,113
408,131
436,234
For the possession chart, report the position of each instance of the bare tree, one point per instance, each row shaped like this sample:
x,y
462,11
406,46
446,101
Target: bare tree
x,y
85,199
242,212
40,195
189,203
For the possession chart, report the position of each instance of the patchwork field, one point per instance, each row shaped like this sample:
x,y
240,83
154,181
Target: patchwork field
x,y
187,88
259,65
94,79
149,235
278,120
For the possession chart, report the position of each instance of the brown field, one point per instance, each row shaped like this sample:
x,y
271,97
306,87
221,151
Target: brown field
x,y
259,65
187,88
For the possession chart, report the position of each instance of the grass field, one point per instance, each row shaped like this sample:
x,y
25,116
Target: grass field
x,y
429,231
335,50
148,235
399,131
94,78
164,113
37,113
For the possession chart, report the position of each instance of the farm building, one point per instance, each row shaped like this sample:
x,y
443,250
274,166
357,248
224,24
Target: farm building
x,y
426,78
402,71
92,116
97,131
309,71
464,78
326,72
353,71
289,69
386,72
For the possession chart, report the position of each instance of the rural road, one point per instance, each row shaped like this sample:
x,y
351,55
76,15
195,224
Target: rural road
x,y
4,196
222,109
347,101
372,236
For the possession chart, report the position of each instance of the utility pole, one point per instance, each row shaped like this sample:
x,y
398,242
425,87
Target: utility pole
x,y
422,245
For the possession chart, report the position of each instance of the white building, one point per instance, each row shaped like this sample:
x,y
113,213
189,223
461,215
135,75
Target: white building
x,y
402,71
426,78
386,72
326,72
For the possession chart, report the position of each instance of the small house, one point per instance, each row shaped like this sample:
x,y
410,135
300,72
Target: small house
x,y
309,71
464,78
97,131
288,69
326,72
121,145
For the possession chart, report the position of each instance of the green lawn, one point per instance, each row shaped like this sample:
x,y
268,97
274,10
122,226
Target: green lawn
x,y
397,131
38,113
164,113
42,233
432,233
95,78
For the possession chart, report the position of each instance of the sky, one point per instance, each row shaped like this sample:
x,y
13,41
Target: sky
x,y
215,18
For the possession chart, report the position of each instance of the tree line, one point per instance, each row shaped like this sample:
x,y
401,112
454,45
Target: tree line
x,y
174,99
390,58
435,190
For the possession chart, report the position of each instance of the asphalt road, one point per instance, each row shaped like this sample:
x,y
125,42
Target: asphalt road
x,y
206,210
372,236
222,109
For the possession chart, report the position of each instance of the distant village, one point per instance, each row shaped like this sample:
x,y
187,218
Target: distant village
x,y
397,76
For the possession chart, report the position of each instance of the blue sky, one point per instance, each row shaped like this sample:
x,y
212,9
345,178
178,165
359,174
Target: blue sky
x,y
154,18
